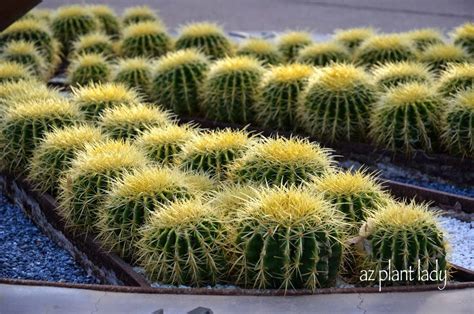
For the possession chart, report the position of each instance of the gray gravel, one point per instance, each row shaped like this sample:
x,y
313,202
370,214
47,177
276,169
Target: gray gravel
x,y
26,253
460,236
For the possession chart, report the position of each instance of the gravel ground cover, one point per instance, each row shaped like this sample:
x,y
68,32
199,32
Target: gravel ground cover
x,y
460,236
26,253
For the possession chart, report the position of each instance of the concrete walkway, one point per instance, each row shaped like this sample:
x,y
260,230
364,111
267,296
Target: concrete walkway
x,y
39,300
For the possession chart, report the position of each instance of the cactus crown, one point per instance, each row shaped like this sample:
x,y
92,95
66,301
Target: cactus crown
x,y
27,25
98,9
131,64
201,29
25,53
71,137
12,71
110,92
353,37
134,114
43,108
339,77
96,42
346,183
438,55
261,49
39,14
288,73
218,140
294,38
143,28
425,37
465,99
394,73
138,14
70,11
181,213
457,76
90,59
321,54
89,68
409,94
235,65
383,48
21,47
179,58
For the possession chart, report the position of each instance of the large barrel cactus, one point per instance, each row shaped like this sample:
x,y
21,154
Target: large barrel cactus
x,y
457,77
322,54
145,39
425,37
13,72
138,14
392,74
260,49
98,43
463,36
134,73
439,56
352,38
88,69
26,54
107,19
289,44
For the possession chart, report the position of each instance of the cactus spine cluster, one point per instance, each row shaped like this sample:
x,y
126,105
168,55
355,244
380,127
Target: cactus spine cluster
x,y
406,118
288,238
384,48
43,15
352,38
177,77
25,53
336,103
229,90
93,43
322,54
145,39
439,56
262,50
425,37
208,38
88,69
13,72
464,37
290,43
23,90
134,73
107,19
392,74
456,77
138,14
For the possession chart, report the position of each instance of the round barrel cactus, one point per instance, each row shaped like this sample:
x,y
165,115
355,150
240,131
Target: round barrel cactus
x,y
93,99
336,102
134,73
54,154
132,200
437,57
176,80
183,244
25,53
206,37
84,185
88,69
352,38
289,44
278,95
463,36
260,49
281,161
145,39
163,144
425,37
43,15
107,19
229,90
458,123
407,118
456,77
288,238
392,74
13,72
138,14
128,121
23,90
93,43
228,200
322,54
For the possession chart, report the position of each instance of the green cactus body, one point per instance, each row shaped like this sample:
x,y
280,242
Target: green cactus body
x,y
408,236
352,38
88,69
176,81
13,72
25,53
128,121
278,96
208,38
93,99
138,14
336,102
262,50
457,77
425,37
289,44
93,43
384,48
458,124
163,144
71,22
438,57
463,36
393,74
182,244
322,54
108,21
25,123
134,73
406,118
230,88
145,39
212,152
281,161
54,154
85,184
288,238
131,201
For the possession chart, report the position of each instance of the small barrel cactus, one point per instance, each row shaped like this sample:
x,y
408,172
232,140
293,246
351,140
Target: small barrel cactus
x,y
138,14
384,48
25,53
88,69
458,124
336,102
163,144
43,15
134,73
145,39
352,38
456,77
288,238
463,36
392,74
280,161
278,95
177,77
93,43
230,88
183,244
24,124
13,72
54,154
212,152
132,199
322,54
208,38
70,22
93,99
108,21
425,37
437,57
128,121
401,237
290,43
260,49
84,185
407,118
